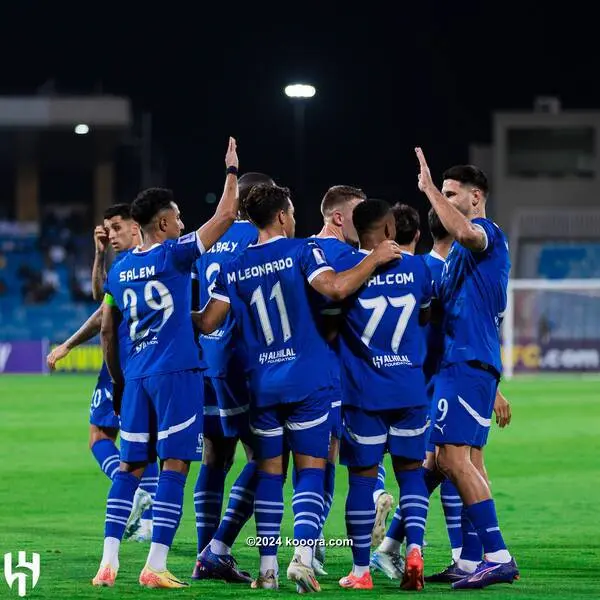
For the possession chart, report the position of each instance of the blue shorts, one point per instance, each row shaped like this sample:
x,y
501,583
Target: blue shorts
x,y
102,413
161,415
464,401
226,406
366,435
303,427
430,391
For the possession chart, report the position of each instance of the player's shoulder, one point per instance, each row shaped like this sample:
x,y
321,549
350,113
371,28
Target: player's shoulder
x,y
488,225
433,259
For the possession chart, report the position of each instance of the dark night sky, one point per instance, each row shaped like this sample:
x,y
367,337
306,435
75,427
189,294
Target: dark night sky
x,y
389,76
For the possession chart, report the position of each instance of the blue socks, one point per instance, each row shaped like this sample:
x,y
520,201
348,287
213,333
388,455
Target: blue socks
x,y
119,503
483,517
328,489
268,513
107,456
240,506
472,550
208,503
453,508
414,504
380,483
307,503
167,507
360,517
149,483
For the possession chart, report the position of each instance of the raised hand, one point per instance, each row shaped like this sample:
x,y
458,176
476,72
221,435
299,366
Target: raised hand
x,y
100,238
425,181
231,157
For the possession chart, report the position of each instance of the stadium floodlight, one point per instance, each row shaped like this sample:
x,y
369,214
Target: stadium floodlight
x,y
82,129
300,90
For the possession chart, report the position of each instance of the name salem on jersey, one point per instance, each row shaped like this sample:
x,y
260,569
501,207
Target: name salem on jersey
x,y
135,274
392,360
224,247
260,270
391,279
277,356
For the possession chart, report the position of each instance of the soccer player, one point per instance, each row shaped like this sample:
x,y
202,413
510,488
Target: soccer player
x,y
270,290
226,406
473,295
122,233
161,390
382,349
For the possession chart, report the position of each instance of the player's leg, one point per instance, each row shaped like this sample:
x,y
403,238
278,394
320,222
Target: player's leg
x,y
406,442
364,437
209,488
135,452
178,403
104,428
216,559
472,551
308,430
102,443
384,504
139,527
266,425
465,419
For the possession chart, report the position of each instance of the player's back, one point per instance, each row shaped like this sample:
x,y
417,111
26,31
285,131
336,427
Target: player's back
x,y
221,347
152,289
474,292
382,344
434,332
275,308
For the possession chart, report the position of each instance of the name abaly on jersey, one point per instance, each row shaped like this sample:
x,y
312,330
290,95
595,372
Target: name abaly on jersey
x,y
223,247
277,356
391,360
260,270
391,279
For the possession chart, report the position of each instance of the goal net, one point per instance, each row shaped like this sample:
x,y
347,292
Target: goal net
x,y
552,326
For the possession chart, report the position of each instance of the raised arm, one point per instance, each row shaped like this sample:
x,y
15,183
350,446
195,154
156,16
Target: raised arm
x,y
212,317
338,286
467,234
99,268
228,206
87,331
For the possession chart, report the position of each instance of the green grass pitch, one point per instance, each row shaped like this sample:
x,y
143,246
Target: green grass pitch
x,y
544,472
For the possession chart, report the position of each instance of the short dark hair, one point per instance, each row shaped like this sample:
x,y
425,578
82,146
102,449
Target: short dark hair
x,y
122,210
246,182
368,214
149,203
339,194
407,223
438,231
264,201
469,175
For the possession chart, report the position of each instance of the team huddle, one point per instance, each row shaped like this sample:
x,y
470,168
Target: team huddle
x,y
340,347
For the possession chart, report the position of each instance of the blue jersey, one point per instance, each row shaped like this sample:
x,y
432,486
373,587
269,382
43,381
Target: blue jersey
x,y
338,255
152,289
382,345
434,332
473,293
276,311
222,346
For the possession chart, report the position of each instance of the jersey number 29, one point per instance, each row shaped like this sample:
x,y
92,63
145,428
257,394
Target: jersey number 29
x,y
164,303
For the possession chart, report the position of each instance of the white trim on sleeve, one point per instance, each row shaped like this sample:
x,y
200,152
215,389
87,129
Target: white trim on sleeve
x,y
318,272
220,297
478,226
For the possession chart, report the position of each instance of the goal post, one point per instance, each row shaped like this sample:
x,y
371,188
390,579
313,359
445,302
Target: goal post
x,y
551,326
